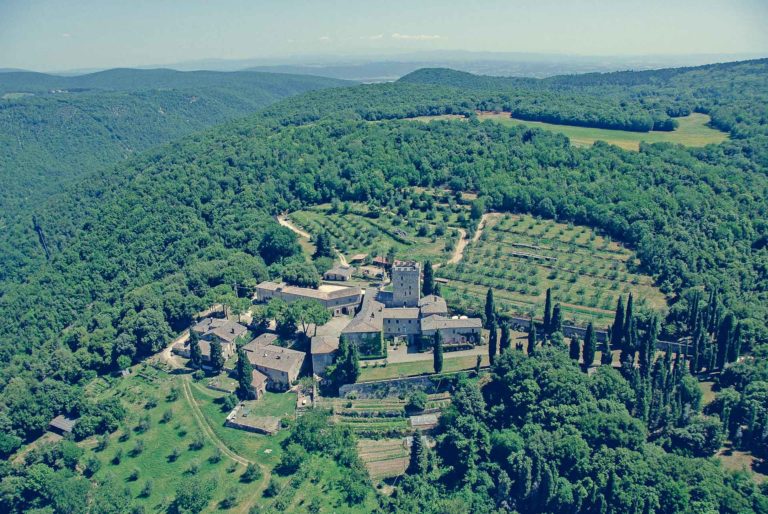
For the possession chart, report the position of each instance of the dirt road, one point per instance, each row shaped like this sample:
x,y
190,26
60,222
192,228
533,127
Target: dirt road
x,y
284,221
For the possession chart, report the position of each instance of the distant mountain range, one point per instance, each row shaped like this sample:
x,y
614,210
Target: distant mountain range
x,y
391,66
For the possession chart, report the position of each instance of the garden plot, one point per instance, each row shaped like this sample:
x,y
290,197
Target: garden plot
x,y
383,458
520,257
378,418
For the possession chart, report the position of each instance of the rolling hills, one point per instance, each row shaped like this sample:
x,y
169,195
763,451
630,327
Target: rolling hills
x,y
54,129
136,249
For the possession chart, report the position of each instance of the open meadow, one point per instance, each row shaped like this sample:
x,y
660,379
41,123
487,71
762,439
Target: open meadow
x,y
693,130
175,432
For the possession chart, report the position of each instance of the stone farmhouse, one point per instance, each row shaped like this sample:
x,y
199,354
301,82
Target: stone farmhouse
x,y
281,366
340,273
323,349
224,331
339,301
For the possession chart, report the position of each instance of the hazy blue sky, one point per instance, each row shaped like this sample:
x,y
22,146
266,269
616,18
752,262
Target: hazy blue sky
x,y
58,35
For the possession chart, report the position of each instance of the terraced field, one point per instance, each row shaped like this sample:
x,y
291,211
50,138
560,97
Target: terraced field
x,y
384,458
520,257
382,425
384,417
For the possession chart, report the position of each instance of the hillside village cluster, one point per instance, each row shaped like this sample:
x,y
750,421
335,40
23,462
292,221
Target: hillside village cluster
x,y
401,314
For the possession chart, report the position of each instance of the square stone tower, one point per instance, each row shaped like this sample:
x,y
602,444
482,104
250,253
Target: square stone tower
x,y
406,284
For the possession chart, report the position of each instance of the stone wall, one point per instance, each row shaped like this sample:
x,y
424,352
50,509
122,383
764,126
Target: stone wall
x,y
397,387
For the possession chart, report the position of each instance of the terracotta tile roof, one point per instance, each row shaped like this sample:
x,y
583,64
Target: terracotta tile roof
x,y
276,357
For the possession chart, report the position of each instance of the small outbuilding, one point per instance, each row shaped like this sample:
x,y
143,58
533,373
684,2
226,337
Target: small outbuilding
x,y
62,424
340,273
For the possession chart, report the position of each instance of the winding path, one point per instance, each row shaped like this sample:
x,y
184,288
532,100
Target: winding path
x,y
206,428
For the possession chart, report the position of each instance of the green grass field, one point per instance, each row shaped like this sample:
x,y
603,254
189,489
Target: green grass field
x,y
147,396
693,131
160,440
520,257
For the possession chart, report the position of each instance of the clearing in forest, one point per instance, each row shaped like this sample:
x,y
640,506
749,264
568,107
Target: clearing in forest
x,y
521,256
693,130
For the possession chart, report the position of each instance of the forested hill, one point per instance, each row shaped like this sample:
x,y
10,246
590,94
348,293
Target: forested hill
x,y
130,79
600,100
54,129
135,251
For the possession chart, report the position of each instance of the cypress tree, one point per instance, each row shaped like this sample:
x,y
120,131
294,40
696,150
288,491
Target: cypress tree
x,y
648,347
548,310
323,247
490,309
697,342
606,356
438,352
628,319
693,311
532,339
195,355
617,330
724,337
630,345
492,343
506,338
574,349
244,376
436,289
217,357
347,367
712,312
417,465
734,349
590,346
428,285
556,324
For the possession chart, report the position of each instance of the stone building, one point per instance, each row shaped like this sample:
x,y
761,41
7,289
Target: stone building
x,y
406,284
281,366
343,300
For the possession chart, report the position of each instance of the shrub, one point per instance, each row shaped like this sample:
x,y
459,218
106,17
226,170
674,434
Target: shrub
x,y
92,466
137,449
146,490
197,443
417,402
253,473
272,489
174,455
215,457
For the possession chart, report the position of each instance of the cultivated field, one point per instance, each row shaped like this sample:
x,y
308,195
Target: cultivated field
x,y
520,257
377,417
384,458
423,235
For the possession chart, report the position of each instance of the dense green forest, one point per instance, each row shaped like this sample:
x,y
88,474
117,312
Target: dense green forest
x,y
56,129
116,265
